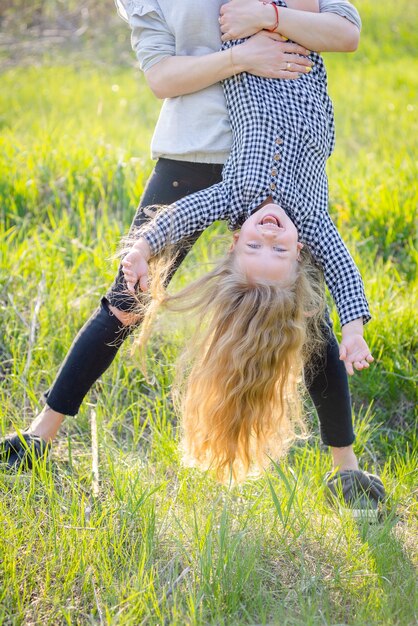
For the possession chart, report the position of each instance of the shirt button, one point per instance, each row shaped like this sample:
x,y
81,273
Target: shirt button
x,y
274,172
272,186
279,141
277,157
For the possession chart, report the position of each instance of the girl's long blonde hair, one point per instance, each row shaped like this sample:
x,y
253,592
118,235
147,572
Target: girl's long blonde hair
x,y
237,386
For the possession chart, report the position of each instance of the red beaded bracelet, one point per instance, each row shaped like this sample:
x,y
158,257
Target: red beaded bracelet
x,y
275,7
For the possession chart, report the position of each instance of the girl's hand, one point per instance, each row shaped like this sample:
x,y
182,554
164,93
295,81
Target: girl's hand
x,y
354,350
135,269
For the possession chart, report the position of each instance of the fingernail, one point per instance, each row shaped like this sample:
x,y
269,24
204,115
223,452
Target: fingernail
x,y
308,69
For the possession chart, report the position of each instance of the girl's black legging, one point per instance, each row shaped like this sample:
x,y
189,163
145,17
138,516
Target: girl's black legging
x,y
97,343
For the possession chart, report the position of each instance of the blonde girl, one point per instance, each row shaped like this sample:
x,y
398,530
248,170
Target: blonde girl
x,y
260,314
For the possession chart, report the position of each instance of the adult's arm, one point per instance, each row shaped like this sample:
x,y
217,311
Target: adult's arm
x,y
321,32
265,55
169,75
335,29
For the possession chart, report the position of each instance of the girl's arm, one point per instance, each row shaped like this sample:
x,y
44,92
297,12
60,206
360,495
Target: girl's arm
x,y
344,281
186,217
172,224
341,274
334,29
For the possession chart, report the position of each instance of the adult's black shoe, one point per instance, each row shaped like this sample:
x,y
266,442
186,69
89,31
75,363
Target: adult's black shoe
x,y
361,492
21,451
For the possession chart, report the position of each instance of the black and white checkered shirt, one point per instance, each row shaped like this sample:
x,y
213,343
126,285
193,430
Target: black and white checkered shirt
x,y
283,133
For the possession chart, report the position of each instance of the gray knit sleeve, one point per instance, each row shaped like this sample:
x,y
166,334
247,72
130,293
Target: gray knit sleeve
x,y
151,38
342,8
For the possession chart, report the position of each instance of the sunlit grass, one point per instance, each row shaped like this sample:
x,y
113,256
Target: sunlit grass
x,y
161,543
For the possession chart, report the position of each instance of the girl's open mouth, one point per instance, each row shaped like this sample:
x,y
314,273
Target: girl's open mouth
x,y
272,220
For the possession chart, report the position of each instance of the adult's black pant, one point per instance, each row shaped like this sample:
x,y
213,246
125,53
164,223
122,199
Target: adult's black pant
x,y
99,340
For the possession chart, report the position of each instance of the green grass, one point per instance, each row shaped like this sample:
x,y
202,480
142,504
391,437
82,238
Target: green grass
x,y
162,544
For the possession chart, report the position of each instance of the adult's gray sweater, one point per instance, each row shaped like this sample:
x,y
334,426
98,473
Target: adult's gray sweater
x,y
194,127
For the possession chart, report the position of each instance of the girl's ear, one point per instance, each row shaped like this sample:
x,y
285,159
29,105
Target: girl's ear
x,y
235,238
299,247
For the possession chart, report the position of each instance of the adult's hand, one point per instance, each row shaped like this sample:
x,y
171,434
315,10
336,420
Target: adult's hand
x,y
243,18
266,55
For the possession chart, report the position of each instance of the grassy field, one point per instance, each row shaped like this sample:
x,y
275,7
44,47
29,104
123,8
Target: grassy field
x,y
158,543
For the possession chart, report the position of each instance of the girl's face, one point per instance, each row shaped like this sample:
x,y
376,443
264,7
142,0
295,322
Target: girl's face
x,y
267,247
